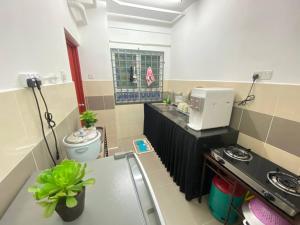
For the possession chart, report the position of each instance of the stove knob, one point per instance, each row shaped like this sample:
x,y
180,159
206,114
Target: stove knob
x,y
268,196
221,161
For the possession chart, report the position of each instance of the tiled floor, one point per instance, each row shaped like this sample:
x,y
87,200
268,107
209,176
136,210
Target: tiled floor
x,y
175,209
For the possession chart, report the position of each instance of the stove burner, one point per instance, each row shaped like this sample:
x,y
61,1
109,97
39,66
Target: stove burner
x,y
285,182
238,153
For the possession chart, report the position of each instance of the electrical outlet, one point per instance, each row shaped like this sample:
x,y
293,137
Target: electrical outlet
x,y
28,75
265,75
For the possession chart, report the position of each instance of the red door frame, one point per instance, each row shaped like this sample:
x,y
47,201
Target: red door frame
x,y
76,74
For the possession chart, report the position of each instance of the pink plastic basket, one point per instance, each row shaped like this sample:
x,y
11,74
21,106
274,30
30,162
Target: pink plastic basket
x,y
265,214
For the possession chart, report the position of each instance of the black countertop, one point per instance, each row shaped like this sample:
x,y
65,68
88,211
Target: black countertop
x,y
181,120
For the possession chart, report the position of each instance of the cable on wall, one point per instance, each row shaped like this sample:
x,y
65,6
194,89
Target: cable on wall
x,y
250,97
51,123
42,125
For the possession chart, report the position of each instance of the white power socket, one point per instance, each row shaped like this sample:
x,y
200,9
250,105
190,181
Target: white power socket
x,y
265,75
28,75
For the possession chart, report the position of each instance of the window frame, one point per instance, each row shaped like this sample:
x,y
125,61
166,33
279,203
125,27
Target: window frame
x,y
145,94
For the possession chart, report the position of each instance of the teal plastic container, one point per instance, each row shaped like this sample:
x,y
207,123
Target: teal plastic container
x,y
219,200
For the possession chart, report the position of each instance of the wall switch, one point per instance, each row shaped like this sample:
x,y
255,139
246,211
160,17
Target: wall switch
x,y
265,75
28,75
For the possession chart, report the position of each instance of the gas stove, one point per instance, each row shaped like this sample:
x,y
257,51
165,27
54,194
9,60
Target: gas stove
x,y
277,185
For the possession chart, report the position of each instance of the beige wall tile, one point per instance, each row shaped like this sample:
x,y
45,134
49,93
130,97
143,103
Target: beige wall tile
x,y
98,88
61,100
276,155
283,159
66,127
107,119
288,106
13,132
21,130
10,158
131,113
10,186
255,145
30,116
266,94
166,85
129,120
41,155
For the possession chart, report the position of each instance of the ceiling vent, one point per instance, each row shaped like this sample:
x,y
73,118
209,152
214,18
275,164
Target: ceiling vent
x,y
78,10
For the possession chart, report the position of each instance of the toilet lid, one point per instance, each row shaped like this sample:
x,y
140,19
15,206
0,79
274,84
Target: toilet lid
x,y
81,136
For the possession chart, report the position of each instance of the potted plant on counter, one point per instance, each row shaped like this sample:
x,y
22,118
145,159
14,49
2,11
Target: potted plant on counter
x,y
62,189
88,118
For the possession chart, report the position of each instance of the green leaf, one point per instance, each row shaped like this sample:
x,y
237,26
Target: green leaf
x,y
43,203
71,202
72,193
77,187
46,190
49,208
58,195
33,189
65,180
89,118
89,181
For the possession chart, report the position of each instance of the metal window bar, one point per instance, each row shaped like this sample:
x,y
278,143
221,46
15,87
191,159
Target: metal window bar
x,y
126,91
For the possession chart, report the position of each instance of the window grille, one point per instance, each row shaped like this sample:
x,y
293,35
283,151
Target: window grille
x,y
129,74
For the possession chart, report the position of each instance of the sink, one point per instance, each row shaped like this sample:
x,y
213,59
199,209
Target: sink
x,y
171,112
163,107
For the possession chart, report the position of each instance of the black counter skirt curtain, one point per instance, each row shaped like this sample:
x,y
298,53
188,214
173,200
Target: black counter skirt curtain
x,y
177,150
181,150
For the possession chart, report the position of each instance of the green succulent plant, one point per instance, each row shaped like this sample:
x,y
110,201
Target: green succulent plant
x,y
89,118
63,181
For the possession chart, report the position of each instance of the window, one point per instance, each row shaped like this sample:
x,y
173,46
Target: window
x,y
130,70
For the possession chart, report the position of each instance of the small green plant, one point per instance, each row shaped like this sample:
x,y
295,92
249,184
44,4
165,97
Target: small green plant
x,y
62,182
167,100
89,118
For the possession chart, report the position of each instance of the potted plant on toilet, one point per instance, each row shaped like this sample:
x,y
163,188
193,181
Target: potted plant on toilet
x,y
62,189
89,119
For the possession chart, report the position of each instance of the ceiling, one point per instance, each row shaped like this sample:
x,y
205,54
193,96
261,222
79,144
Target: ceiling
x,y
177,5
159,11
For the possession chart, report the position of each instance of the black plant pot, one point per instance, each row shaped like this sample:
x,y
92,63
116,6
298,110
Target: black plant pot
x,y
70,214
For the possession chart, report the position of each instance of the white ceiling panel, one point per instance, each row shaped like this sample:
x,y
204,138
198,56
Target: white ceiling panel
x,y
166,11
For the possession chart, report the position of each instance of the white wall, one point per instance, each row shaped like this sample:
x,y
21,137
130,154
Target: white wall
x,y
100,35
32,39
230,39
94,48
144,37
